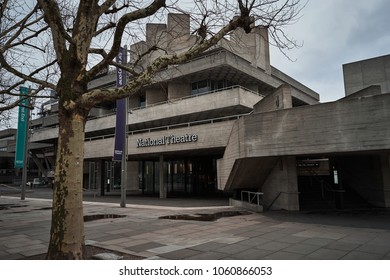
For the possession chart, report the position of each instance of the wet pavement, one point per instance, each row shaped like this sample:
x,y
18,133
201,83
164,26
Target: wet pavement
x,y
139,229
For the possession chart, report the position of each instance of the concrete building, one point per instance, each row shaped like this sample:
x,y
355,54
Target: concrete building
x,y
228,121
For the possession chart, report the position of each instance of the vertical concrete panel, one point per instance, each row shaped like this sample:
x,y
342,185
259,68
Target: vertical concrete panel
x,y
132,176
178,25
281,186
178,90
280,99
163,186
374,72
353,78
387,74
155,34
133,102
154,96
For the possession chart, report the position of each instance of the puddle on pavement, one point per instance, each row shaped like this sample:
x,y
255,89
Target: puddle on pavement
x,y
89,218
206,217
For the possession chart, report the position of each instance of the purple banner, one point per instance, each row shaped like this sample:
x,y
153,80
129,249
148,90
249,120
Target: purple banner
x,y
121,114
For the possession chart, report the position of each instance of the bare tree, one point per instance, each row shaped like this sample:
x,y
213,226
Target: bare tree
x,y
63,45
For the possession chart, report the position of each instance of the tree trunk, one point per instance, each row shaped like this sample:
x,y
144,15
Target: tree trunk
x,y
67,225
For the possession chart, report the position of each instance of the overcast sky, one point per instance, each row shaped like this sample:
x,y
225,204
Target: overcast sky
x,y
335,32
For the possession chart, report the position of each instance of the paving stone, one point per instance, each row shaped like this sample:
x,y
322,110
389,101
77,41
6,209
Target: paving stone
x,y
252,254
144,246
300,248
281,255
357,255
211,255
326,254
344,246
318,241
180,254
382,249
232,249
208,246
273,246
165,249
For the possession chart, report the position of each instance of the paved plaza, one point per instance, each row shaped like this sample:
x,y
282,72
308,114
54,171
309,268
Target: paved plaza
x,y
273,235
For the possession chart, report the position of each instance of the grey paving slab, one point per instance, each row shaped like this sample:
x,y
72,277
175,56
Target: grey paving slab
x,y
252,254
382,249
300,248
210,255
273,246
254,242
232,249
180,254
358,255
318,241
341,245
208,246
326,254
281,255
144,246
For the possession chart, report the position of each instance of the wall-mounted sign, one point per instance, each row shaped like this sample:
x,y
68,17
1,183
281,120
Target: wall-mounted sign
x,y
166,140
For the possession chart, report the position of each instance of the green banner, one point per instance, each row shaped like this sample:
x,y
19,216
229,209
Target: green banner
x,y
22,129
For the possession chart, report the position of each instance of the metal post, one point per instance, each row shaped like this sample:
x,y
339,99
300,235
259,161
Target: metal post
x,y
125,148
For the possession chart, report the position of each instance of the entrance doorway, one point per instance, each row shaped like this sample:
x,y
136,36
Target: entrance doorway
x,y
181,177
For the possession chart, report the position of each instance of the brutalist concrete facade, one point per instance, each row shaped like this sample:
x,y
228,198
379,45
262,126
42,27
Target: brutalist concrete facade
x,y
228,121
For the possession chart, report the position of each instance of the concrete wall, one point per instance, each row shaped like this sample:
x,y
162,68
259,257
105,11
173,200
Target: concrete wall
x,y
178,90
278,100
232,153
336,127
154,96
365,73
253,47
281,186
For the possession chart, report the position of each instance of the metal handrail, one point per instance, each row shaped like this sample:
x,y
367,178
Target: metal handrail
x,y
252,196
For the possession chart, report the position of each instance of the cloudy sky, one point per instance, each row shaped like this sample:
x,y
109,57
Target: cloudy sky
x,y
333,33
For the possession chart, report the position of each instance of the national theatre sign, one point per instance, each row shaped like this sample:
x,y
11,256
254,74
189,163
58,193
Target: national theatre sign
x,y
166,140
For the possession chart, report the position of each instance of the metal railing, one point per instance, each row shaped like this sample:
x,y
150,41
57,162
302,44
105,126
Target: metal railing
x,y
252,196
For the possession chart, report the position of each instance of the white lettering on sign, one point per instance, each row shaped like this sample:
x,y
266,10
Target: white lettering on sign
x,y
166,140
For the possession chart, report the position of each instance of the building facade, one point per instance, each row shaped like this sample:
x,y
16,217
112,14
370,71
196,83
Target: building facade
x,y
228,121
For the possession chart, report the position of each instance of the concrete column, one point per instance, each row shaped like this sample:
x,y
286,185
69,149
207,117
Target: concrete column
x,y
163,188
281,186
100,176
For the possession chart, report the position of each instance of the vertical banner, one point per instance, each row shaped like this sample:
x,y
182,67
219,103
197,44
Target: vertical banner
x,y
121,114
22,129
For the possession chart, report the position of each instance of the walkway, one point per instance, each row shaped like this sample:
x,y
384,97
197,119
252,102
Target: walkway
x,y
24,231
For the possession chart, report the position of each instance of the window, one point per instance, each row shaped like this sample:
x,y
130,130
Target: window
x,y
203,86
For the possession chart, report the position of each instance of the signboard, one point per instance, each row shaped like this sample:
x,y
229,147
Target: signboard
x,y
167,140
121,114
21,134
